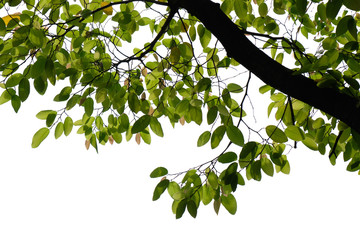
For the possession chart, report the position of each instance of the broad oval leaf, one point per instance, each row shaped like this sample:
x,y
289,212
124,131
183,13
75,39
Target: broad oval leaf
x,y
235,135
295,133
160,188
158,172
227,157
39,136
276,134
229,202
203,138
141,124
217,136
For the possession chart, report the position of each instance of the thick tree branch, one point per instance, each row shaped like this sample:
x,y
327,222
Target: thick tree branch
x,y
240,48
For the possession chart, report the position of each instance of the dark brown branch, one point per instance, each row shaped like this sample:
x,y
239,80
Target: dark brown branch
x,y
240,48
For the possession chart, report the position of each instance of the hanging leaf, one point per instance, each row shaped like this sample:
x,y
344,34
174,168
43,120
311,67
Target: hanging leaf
x,y
158,172
160,188
217,136
39,136
229,202
227,157
141,124
235,135
276,134
203,138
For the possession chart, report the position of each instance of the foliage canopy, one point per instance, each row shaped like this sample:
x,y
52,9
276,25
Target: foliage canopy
x,y
124,85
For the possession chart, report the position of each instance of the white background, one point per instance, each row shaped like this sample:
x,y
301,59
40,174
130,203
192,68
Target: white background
x,y
62,191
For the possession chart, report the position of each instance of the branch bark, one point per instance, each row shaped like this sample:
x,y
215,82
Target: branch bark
x,y
239,47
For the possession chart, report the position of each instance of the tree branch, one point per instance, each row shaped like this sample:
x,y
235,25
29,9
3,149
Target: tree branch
x,y
331,101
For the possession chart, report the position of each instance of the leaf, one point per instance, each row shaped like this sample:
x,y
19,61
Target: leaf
x,y
101,94
156,127
295,133
213,180
203,138
212,114
108,10
59,129
192,208
160,188
227,157
301,7
24,89
217,136
332,8
15,103
181,208
234,88
63,95
141,124
229,202
352,4
39,136
42,115
10,17
158,172
267,166
263,9
235,135
37,37
217,204
310,143
68,125
14,80
276,134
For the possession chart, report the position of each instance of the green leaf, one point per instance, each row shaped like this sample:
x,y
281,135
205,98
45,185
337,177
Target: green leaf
x,y
181,208
352,4
295,133
101,94
24,89
267,166
63,95
276,134
204,35
213,180
192,208
234,88
158,172
156,127
68,125
310,143
227,157
16,103
37,37
42,115
160,188
263,9
50,119
39,136
354,65
332,8
217,136
235,135
229,202
301,7
134,103
212,114
59,129
203,138
14,80
342,26
141,124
